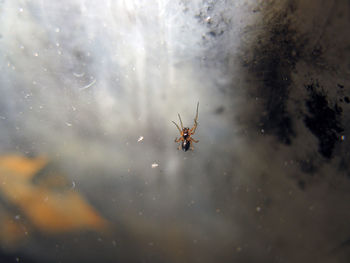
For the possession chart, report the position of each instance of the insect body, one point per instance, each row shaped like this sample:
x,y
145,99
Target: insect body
x,y
186,133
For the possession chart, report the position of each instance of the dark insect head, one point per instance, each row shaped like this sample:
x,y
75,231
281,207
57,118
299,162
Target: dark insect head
x,y
185,132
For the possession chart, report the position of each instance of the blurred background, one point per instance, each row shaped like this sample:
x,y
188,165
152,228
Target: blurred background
x,y
89,171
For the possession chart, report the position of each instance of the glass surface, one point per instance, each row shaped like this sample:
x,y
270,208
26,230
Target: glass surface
x,y
90,172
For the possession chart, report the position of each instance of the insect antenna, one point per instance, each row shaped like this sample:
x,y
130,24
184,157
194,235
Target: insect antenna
x,y
177,126
195,119
182,127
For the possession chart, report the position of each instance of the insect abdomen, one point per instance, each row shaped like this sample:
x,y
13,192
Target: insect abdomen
x,y
185,145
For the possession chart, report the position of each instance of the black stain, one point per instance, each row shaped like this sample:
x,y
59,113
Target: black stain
x,y
219,110
216,25
323,120
274,58
301,184
307,166
344,167
6,257
344,245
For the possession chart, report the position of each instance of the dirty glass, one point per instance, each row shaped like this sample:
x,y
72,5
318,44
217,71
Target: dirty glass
x,y
89,167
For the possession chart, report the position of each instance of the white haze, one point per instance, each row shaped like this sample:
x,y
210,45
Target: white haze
x,y
82,81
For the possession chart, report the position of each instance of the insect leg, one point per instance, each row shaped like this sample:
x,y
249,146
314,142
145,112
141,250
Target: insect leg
x,y
194,140
178,140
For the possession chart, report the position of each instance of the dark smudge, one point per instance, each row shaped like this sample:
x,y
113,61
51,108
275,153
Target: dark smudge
x,y
323,120
274,59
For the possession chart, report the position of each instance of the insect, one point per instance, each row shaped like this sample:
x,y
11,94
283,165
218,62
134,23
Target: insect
x,y
186,133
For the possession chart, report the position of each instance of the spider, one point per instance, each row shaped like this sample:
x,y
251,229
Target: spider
x,y
186,133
